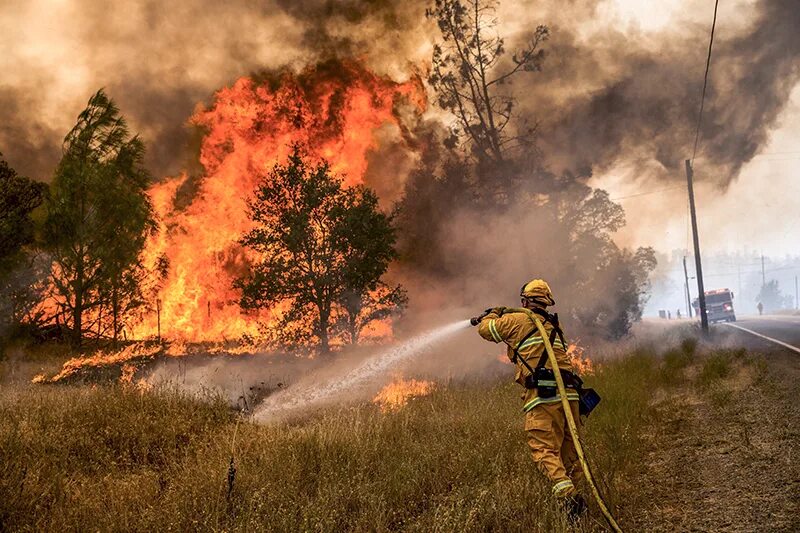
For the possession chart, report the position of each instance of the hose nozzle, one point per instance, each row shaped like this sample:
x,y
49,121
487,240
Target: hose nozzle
x,y
477,319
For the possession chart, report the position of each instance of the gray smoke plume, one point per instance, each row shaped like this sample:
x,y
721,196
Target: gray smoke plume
x,y
644,96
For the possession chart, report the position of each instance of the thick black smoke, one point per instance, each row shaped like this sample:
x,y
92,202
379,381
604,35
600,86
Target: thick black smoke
x,y
642,97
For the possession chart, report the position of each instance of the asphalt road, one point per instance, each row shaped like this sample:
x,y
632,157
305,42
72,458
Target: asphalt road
x,y
780,329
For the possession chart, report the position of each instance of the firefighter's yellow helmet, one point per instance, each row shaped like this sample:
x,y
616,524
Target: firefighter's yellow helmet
x,y
538,290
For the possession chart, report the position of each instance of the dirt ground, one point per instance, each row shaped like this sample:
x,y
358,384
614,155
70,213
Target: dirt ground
x,y
726,455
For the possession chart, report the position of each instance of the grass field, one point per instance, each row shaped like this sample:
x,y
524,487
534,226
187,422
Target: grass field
x,y
112,458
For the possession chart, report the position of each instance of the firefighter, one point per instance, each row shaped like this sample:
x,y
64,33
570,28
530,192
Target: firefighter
x,y
549,438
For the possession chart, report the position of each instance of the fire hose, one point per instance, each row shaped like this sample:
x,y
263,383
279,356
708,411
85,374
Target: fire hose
x,y
573,428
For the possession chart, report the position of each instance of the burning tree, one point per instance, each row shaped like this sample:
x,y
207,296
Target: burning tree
x,y
322,250
98,218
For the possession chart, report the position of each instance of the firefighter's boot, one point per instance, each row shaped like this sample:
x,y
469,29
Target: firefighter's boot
x,y
574,506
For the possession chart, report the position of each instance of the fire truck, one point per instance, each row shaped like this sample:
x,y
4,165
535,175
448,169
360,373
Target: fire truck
x,y
719,305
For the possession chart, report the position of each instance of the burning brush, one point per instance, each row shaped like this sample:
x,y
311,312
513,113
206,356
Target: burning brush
x,y
396,395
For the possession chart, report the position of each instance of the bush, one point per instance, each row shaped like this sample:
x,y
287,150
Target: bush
x,y
689,347
716,367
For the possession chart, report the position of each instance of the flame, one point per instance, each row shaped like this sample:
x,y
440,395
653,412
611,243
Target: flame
x,y
395,395
129,359
333,110
580,362
128,370
126,359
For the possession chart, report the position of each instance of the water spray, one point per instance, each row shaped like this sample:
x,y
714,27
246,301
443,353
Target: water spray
x,y
292,400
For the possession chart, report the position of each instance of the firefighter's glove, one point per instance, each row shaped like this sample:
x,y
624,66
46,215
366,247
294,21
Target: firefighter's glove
x,y
477,319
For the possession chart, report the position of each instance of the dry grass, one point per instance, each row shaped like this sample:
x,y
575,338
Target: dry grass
x,y
110,458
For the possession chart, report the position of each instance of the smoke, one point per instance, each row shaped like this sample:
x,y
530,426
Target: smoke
x,y
346,380
608,90
159,60
613,95
275,386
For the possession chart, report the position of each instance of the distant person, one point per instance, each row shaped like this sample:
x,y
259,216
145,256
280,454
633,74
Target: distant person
x,y
669,315
549,437
760,308
678,314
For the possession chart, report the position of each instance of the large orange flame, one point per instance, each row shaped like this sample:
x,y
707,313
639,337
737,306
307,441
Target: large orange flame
x,y
333,110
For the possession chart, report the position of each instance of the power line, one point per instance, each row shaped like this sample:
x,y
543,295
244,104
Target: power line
x,y
767,160
705,82
644,193
754,271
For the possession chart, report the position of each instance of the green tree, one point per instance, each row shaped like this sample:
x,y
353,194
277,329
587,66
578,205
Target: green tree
x,y
98,218
322,249
19,196
772,298
19,271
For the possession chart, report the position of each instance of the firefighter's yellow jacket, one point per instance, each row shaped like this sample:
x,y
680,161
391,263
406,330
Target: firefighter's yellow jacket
x,y
510,326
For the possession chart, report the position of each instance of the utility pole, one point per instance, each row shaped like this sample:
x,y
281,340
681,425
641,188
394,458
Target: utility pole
x,y
701,294
739,274
686,285
796,294
763,277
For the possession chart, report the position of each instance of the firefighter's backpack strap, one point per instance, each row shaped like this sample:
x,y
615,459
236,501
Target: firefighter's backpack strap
x,y
521,359
553,319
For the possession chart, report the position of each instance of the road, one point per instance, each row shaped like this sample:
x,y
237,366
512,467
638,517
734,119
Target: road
x,y
780,329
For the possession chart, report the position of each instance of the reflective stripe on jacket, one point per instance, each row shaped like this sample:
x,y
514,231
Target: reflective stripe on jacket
x,y
510,328
536,400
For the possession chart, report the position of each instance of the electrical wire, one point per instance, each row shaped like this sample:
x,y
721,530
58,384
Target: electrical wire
x,y
705,82
644,193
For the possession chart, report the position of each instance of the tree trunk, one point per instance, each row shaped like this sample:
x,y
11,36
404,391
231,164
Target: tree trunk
x,y
77,309
324,323
77,316
115,312
352,319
